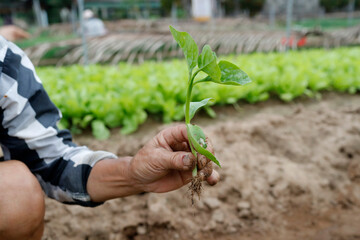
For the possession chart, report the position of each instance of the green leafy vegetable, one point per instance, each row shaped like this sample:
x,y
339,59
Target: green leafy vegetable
x,y
99,130
126,95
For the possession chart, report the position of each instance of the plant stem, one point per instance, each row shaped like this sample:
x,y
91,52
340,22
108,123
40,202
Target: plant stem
x,y
194,171
188,95
188,99
187,113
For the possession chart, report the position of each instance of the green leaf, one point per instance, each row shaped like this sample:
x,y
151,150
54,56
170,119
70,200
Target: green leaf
x,y
86,120
195,134
99,130
210,111
198,134
63,124
230,75
188,45
129,125
207,63
194,106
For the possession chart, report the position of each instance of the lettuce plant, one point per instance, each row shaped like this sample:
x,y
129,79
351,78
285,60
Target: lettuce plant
x,y
222,72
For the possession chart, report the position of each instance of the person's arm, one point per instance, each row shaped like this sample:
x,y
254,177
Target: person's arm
x,y
28,132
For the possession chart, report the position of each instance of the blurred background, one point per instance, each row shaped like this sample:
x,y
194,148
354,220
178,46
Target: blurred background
x,y
233,26
289,142
127,45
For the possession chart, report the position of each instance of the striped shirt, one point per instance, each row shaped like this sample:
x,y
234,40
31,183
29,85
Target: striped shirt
x,y
29,133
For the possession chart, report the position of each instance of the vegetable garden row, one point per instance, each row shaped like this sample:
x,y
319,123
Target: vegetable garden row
x,y
124,95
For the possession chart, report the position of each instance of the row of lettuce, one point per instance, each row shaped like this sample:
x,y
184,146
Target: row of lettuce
x,y
124,95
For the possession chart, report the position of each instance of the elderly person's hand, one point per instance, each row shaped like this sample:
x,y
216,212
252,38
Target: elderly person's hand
x,y
164,164
13,33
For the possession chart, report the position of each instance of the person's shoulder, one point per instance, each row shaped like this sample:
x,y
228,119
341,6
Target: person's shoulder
x,y
10,51
6,45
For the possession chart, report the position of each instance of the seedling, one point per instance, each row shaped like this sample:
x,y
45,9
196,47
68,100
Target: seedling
x,y
222,72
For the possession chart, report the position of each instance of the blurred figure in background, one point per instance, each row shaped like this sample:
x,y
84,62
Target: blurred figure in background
x,y
65,15
93,27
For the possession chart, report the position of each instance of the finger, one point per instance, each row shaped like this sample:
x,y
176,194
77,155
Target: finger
x,y
184,146
175,135
214,178
182,161
202,161
186,177
206,171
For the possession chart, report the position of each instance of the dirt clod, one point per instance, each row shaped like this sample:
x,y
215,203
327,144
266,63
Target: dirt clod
x,y
212,203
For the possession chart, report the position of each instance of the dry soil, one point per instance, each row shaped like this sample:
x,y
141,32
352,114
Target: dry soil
x,y
290,171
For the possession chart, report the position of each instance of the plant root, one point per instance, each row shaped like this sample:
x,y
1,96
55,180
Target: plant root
x,y
195,188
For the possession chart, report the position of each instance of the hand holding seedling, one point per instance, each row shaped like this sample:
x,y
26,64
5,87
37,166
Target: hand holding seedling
x,y
222,72
164,164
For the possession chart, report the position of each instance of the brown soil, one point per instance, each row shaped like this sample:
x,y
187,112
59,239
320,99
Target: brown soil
x,y
290,171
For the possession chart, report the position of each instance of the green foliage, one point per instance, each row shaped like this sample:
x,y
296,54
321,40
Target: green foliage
x,y
99,130
124,95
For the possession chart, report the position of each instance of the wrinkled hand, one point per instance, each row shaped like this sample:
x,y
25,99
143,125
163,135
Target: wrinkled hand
x,y
166,162
13,33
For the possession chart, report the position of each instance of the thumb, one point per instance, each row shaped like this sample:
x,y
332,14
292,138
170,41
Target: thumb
x,y
182,161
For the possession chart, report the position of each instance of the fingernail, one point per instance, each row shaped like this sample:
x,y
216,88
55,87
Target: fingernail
x,y
186,161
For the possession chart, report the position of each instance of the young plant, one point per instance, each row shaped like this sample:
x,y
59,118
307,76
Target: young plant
x,y
222,72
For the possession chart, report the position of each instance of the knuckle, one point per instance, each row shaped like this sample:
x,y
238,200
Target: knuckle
x,y
207,171
202,161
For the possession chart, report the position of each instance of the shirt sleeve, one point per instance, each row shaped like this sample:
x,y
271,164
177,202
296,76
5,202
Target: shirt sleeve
x,y
29,133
